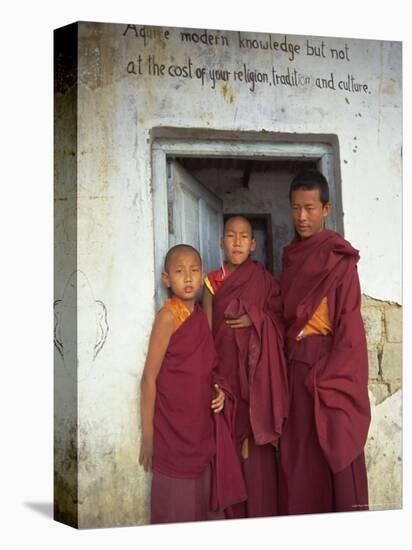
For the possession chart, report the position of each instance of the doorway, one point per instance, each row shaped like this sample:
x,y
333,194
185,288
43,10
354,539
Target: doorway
x,y
197,184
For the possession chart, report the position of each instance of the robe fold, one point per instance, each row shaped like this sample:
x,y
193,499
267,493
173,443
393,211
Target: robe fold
x,y
228,487
188,436
329,413
252,362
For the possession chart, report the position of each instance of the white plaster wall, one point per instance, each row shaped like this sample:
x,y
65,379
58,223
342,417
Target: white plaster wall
x,y
383,453
367,125
116,253
117,110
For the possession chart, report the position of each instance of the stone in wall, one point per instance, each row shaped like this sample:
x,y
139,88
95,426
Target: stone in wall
x,y
393,324
383,327
367,301
380,392
394,386
383,454
372,319
373,361
391,364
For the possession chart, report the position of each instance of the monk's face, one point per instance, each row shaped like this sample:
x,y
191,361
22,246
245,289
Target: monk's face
x,y
184,276
308,212
237,241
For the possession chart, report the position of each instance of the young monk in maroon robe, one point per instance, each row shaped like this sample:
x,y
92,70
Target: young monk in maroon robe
x,y
322,447
190,449
243,306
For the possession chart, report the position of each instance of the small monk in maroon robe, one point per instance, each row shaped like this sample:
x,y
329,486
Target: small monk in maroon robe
x,y
189,448
242,301
322,447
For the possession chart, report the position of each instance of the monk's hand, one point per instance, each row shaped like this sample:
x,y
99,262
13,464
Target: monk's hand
x,y
146,452
240,322
219,401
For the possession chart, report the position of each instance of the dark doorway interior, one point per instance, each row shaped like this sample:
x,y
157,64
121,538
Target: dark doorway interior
x,y
257,189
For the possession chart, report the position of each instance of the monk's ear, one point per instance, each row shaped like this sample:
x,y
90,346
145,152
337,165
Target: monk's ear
x,y
253,244
327,209
222,246
165,279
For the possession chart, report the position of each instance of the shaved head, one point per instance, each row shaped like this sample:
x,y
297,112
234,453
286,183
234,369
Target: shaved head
x,y
179,248
233,219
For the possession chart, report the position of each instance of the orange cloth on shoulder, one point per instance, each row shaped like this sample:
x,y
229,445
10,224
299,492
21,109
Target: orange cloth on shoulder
x,y
179,310
319,323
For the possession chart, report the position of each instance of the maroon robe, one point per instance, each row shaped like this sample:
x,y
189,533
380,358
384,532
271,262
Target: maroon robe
x,y
251,360
188,436
322,461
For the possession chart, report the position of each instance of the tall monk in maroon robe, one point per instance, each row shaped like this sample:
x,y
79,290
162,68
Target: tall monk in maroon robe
x,y
243,303
322,447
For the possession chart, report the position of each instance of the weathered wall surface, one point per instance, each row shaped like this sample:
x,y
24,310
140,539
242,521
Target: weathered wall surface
x,y
383,325
133,79
65,278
